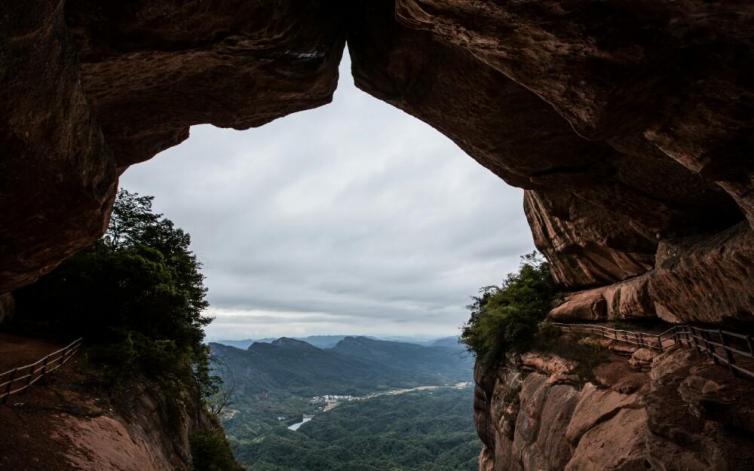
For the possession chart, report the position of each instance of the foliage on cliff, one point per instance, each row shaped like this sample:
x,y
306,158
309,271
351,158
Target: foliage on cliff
x,y
506,317
136,296
210,452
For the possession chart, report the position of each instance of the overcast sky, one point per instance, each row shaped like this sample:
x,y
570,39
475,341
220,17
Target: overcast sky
x,y
353,218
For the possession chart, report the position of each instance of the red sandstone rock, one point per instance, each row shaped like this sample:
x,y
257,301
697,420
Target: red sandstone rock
x,y
617,444
578,243
57,175
696,279
706,279
89,86
661,424
583,306
628,299
641,359
668,74
150,70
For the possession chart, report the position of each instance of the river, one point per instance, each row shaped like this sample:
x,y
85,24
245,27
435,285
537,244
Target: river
x,y
333,403
296,426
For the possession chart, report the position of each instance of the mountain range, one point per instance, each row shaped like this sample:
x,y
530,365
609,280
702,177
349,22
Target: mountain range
x,y
329,341
353,365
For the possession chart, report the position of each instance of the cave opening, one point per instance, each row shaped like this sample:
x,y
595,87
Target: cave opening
x,y
628,125
353,217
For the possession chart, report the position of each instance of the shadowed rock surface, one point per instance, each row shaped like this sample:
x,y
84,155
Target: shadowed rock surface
x,y
628,123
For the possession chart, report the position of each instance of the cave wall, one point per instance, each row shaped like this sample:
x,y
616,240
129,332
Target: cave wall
x,y
628,123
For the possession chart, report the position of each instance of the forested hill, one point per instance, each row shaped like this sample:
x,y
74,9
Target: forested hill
x,y
441,362
320,341
355,365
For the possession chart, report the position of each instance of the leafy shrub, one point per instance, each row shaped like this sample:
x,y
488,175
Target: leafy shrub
x,y
210,452
506,318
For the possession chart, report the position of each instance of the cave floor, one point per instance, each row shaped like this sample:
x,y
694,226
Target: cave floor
x,y
30,421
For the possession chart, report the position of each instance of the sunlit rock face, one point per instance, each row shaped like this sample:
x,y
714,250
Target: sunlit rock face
x,y
673,410
630,124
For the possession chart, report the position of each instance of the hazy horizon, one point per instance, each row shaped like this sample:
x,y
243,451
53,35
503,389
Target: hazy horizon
x,y
352,217
352,334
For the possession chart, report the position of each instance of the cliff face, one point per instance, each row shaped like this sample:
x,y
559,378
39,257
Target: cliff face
x,y
74,422
670,411
629,123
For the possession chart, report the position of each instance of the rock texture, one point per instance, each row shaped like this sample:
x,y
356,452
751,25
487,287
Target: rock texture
x,y
697,279
662,95
7,307
71,424
88,88
152,69
629,123
683,414
57,174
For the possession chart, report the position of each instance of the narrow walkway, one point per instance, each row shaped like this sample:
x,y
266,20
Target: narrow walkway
x,y
16,350
23,372
33,424
731,349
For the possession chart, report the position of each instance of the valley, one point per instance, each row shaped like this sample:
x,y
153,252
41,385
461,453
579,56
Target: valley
x,y
363,403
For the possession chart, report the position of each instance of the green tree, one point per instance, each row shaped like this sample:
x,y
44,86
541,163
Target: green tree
x,y
137,296
506,317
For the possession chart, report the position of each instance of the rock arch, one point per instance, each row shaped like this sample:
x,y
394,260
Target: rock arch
x,y
628,123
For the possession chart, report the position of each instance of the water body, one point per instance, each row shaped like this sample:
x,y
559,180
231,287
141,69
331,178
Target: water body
x,y
296,426
330,404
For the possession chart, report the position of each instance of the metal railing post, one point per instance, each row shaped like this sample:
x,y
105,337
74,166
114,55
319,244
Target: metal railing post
x,y
710,348
686,336
692,337
728,353
10,384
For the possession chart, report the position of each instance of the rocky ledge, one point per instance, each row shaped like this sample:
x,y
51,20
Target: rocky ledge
x,y
634,410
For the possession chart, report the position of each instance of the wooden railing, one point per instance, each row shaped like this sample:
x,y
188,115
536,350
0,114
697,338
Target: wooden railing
x,y
19,379
732,349
637,338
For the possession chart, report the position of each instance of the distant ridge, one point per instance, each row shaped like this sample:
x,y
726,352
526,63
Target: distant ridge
x,y
449,342
353,365
329,341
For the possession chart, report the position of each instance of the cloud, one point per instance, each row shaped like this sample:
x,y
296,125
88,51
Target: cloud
x,y
355,217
